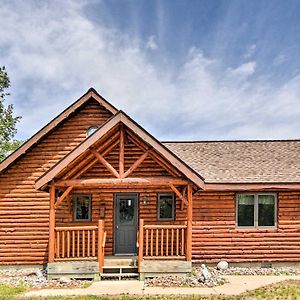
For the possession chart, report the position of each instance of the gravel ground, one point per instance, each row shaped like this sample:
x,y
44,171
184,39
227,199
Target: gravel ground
x,y
33,278
196,279
215,278
258,271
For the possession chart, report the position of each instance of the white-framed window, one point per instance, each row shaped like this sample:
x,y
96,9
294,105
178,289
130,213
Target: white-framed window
x,y
256,210
82,207
91,130
165,206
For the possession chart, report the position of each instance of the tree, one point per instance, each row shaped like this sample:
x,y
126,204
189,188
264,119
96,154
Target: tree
x,y
8,121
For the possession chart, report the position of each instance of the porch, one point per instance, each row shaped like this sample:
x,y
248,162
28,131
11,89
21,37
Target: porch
x,y
122,170
79,252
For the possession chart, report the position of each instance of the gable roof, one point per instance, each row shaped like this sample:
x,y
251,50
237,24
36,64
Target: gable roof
x,y
242,161
121,117
91,93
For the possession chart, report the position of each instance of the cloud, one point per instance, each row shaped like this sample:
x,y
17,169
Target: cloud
x,y
54,53
151,43
244,70
250,51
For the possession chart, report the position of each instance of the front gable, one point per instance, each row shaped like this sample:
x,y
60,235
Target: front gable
x,y
120,150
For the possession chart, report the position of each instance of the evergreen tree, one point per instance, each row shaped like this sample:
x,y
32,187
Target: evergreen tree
x,y
8,121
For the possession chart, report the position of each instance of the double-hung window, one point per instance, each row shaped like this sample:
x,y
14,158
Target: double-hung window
x,y
256,210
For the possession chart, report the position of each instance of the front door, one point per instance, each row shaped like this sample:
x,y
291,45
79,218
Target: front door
x,y
126,208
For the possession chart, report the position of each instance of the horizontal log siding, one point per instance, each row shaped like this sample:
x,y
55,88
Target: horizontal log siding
x,y
64,216
216,237
24,212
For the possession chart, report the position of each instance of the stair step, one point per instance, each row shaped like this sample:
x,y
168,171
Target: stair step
x,y
119,267
119,275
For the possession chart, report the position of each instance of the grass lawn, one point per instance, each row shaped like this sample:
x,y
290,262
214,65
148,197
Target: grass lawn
x,y
284,290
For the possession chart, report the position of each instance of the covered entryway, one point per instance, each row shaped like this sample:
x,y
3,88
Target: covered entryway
x,y
125,177
126,223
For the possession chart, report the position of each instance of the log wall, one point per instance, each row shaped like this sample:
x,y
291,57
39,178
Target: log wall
x,y
216,237
24,212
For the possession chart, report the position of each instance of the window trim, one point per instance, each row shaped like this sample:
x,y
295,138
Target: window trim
x,y
256,226
158,206
75,205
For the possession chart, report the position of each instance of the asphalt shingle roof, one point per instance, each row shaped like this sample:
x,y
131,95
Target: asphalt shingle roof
x,y
242,161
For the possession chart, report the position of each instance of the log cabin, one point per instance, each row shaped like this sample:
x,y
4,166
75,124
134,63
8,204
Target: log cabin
x,y
93,193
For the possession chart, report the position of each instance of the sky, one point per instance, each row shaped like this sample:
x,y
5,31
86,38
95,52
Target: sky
x,y
184,70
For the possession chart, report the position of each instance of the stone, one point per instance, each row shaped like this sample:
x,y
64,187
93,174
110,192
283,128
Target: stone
x,y
222,265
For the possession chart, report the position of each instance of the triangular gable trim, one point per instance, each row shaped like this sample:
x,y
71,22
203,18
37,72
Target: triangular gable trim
x,y
140,132
91,93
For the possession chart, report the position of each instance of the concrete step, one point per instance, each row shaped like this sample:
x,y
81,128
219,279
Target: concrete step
x,y
120,261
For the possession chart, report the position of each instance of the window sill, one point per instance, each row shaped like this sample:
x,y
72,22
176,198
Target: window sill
x,y
266,228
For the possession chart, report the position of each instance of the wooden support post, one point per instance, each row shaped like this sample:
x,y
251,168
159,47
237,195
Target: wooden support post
x,y
100,244
51,246
141,244
121,153
189,222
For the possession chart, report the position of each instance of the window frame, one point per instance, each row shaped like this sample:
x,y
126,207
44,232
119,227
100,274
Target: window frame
x,y
256,226
158,206
75,206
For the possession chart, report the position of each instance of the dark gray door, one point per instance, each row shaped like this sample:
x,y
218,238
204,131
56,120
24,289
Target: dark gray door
x,y
126,207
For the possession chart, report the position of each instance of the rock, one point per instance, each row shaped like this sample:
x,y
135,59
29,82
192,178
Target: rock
x,y
222,265
205,272
64,279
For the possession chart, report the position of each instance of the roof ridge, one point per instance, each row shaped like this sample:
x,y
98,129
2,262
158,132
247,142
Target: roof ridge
x,y
230,141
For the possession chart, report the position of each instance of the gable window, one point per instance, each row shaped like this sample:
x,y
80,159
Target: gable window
x,y
82,207
165,206
256,210
91,130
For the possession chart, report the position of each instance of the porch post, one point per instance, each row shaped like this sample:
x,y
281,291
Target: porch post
x,y
51,247
100,245
141,244
189,222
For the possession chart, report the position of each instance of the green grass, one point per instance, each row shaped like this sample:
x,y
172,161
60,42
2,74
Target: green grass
x,y
7,292
289,290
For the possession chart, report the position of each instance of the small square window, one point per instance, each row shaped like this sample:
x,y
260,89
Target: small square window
x,y
165,207
82,207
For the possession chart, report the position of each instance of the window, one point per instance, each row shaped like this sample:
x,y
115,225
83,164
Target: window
x,y
165,207
82,207
256,210
91,130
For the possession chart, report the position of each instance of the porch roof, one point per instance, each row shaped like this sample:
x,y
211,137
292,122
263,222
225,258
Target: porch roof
x,y
121,118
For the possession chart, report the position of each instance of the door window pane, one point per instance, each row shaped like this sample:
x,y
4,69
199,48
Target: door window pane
x,y
82,207
126,211
245,210
165,206
266,210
